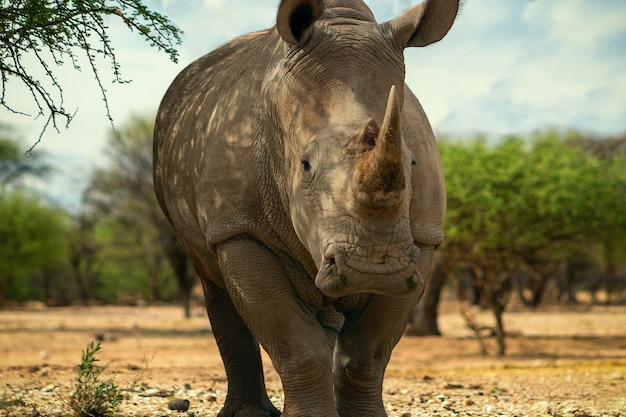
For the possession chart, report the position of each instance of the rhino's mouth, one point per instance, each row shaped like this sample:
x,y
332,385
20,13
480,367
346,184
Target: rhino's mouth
x,y
341,274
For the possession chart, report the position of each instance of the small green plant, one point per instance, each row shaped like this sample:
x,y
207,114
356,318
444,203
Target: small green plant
x,y
496,390
92,396
7,402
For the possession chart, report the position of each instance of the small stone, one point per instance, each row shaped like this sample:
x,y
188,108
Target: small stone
x,y
441,397
469,401
178,405
48,388
34,412
490,409
542,407
406,414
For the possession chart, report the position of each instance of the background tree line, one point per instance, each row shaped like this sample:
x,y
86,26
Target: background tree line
x,y
532,217
528,217
117,248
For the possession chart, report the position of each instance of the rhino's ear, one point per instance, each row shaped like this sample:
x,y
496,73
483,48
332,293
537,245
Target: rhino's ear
x,y
295,18
426,23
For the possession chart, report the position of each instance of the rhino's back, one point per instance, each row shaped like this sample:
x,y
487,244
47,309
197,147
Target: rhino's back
x,y
204,143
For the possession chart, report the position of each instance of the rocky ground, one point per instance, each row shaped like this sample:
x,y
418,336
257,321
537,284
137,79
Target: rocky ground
x,y
569,363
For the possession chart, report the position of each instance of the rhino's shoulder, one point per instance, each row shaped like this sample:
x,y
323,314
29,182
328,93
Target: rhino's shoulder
x,y
205,133
234,60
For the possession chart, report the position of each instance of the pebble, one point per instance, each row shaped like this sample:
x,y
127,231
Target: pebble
x,y
48,388
542,407
178,405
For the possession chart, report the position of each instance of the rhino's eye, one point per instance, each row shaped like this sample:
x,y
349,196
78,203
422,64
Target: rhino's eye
x,y
413,162
308,158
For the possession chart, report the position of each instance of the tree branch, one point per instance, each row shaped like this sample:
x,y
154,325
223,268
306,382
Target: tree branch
x,y
34,27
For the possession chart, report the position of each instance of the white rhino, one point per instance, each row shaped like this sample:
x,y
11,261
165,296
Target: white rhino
x,y
304,181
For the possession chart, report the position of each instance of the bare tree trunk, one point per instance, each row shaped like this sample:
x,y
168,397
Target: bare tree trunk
x,y
567,287
539,289
495,286
155,274
183,270
474,327
537,284
83,294
497,289
5,287
498,310
82,256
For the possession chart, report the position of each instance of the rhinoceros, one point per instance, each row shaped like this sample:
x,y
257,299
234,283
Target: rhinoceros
x,y
303,178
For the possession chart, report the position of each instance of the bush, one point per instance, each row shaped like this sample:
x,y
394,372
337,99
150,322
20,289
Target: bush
x,y
93,397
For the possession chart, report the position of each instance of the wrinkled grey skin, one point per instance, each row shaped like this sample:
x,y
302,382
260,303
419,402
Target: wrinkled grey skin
x,y
303,178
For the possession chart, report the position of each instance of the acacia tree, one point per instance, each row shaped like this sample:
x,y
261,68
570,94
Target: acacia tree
x,y
58,33
515,203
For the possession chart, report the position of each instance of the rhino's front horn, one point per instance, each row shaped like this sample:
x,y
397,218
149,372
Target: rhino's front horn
x,y
379,174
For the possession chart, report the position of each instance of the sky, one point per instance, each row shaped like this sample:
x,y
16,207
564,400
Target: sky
x,y
506,67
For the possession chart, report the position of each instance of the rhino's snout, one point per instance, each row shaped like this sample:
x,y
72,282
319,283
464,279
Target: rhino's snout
x,y
338,277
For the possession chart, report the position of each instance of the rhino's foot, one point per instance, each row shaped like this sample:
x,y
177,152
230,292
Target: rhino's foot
x,y
248,411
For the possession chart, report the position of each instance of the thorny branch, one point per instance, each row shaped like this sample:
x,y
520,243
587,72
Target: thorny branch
x,y
50,32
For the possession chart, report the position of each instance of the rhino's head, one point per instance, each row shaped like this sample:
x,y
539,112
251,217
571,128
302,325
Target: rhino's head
x,y
336,101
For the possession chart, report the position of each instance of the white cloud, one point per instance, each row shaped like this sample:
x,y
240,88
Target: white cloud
x,y
518,68
577,23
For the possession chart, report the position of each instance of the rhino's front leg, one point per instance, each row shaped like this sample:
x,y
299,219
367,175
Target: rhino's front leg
x,y
288,330
363,350
247,396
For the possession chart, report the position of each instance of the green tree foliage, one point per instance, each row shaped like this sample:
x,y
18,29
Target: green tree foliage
x,y
32,235
32,242
124,194
57,33
610,214
518,204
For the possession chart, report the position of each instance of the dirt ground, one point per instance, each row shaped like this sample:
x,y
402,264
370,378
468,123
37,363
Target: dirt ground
x,y
560,362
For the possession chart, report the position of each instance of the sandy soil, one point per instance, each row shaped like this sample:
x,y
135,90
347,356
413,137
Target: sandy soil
x,y
560,362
